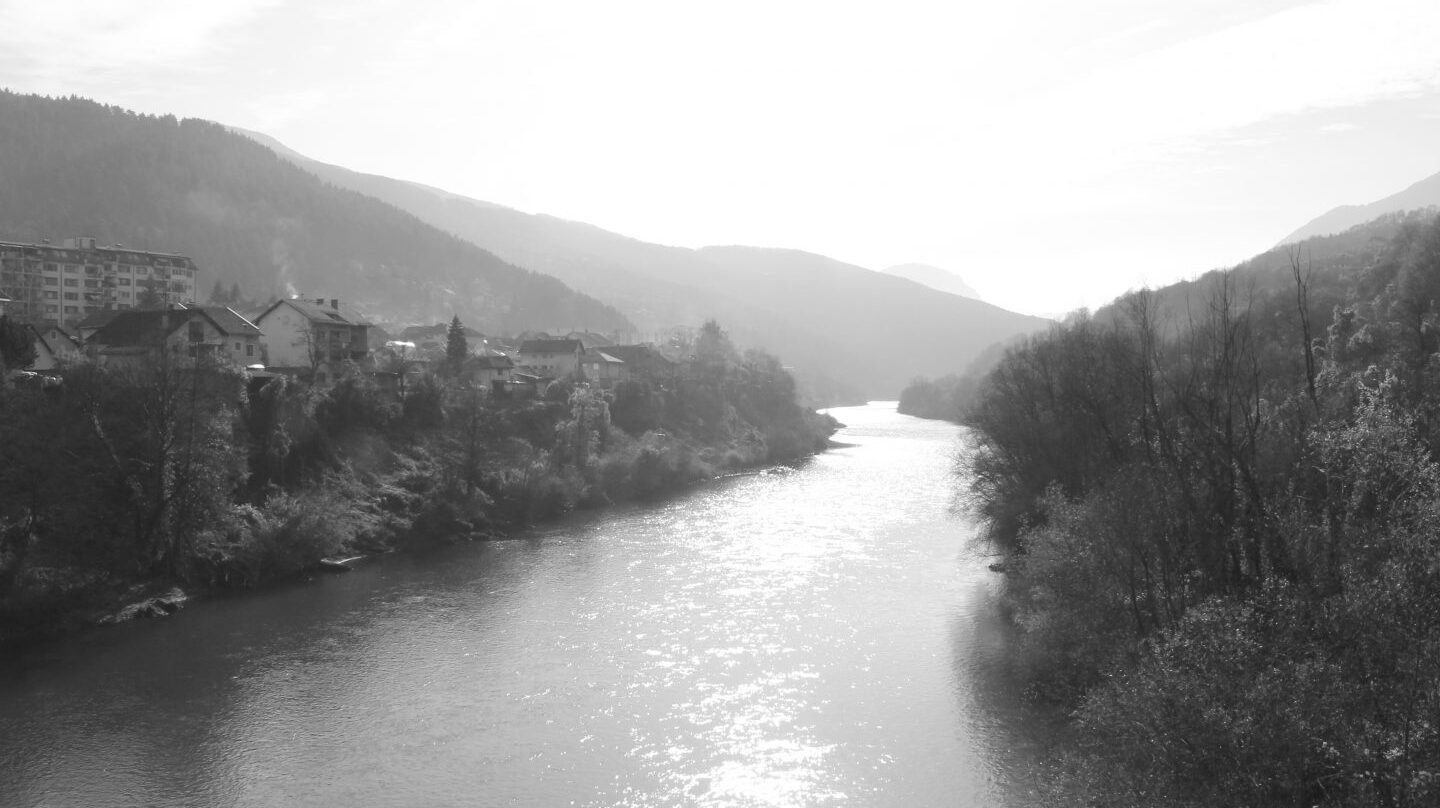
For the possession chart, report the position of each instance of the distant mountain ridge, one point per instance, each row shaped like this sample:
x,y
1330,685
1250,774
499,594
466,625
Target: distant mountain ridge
x,y
848,331
73,167
1421,195
941,280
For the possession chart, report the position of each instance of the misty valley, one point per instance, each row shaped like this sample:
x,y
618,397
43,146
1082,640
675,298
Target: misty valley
x,y
322,487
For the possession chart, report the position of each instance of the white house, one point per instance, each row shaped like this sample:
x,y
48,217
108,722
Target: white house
x,y
552,358
312,334
54,346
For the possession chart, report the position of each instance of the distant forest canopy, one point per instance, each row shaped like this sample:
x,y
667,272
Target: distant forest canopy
x,y
1220,503
1334,262
254,223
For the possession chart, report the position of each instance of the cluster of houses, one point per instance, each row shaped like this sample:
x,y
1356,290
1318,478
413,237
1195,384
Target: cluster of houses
x,y
112,305
294,334
316,336
531,365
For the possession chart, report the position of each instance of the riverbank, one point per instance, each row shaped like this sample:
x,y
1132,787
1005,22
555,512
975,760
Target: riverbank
x,y
1224,560
806,636
197,479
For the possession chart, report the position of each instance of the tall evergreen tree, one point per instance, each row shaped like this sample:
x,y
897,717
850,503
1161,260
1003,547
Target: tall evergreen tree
x,y
456,347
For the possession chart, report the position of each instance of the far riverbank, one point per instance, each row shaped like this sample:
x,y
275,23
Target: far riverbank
x,y
129,485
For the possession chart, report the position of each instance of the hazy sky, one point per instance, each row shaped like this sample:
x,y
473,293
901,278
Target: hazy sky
x,y
1054,153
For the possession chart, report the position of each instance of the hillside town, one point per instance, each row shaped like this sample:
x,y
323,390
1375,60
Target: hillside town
x,y
153,441
80,302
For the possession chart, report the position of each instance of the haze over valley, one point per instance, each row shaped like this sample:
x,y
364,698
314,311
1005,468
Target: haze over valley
x,y
1019,405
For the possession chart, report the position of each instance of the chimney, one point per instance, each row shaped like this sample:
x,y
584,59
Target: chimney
x,y
335,303
320,301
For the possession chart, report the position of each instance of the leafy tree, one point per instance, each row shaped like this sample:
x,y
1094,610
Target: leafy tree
x,y
712,345
638,407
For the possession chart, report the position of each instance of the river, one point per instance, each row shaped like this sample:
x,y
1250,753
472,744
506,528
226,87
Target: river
x,y
810,636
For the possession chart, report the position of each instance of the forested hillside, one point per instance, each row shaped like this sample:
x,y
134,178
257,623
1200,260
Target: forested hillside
x,y
1332,262
72,167
1220,504
850,332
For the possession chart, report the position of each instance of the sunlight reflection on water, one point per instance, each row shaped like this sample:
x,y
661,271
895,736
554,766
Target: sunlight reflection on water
x,y
805,637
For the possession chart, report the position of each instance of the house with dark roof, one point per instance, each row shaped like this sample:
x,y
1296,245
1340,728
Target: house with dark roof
x,y
645,362
491,371
553,358
94,321
193,331
601,368
312,334
591,339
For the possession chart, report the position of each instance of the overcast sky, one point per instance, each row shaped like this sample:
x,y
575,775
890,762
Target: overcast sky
x,y
1054,153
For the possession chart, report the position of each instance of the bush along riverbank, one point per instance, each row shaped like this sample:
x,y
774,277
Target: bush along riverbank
x,y
124,483
1224,528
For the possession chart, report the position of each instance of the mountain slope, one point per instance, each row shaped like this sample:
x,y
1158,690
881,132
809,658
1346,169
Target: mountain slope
x,y
843,328
1336,266
887,329
1423,194
941,280
74,167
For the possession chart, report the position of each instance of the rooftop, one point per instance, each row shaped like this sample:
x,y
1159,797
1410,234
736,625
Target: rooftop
x,y
319,311
553,346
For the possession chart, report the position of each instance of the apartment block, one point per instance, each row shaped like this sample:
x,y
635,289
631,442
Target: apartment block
x,y
62,284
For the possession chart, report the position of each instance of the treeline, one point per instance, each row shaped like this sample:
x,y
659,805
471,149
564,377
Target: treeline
x,y
1326,257
948,397
943,399
122,481
1221,510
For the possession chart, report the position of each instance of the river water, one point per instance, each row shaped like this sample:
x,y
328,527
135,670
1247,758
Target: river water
x,y
808,636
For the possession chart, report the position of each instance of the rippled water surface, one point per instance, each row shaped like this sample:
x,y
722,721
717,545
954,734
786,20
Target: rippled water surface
x,y
809,636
